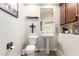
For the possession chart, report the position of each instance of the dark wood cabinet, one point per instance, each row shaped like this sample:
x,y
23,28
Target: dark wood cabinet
x,y
78,11
71,12
62,13
68,12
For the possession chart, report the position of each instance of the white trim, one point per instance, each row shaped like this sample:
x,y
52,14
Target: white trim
x,y
59,53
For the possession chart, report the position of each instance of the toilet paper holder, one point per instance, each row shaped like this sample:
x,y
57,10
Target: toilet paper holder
x,y
10,45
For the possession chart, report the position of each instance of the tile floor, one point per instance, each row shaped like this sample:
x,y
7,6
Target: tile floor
x,y
43,53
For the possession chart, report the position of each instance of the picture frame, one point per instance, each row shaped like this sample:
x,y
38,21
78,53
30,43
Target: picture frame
x,y
11,9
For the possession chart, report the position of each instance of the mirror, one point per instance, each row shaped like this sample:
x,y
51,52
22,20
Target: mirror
x,y
46,20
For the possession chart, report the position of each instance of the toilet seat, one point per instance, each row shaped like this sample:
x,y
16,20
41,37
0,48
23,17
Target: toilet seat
x,y
30,48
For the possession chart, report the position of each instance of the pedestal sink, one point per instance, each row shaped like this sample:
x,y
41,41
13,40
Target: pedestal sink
x,y
47,37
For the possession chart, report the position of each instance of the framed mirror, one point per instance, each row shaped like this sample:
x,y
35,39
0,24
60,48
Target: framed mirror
x,y
46,20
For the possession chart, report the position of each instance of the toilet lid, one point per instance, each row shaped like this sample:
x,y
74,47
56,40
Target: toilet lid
x,y
30,47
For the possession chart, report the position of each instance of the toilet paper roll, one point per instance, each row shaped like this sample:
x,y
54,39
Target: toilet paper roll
x,y
13,47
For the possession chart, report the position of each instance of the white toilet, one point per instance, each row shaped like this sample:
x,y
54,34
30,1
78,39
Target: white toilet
x,y
32,45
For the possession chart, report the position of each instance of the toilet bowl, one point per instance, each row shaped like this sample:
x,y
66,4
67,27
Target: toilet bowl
x,y
32,45
30,50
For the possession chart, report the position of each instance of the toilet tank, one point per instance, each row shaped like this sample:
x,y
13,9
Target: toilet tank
x,y
33,40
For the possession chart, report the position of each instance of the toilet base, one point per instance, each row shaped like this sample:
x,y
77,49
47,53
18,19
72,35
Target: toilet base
x,y
30,54
30,49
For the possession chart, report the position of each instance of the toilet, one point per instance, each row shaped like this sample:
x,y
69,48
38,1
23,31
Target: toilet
x,y
32,45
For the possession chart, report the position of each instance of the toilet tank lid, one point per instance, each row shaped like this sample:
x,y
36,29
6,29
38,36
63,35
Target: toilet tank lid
x,y
33,36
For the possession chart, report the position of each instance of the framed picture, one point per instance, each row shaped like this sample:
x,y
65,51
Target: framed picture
x,y
11,9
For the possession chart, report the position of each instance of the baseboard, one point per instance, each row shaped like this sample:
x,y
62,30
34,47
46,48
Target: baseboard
x,y
45,49
53,49
19,55
59,53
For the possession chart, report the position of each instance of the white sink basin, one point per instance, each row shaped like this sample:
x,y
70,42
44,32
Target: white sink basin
x,y
47,35
33,36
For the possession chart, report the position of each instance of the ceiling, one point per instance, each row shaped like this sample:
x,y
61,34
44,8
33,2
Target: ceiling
x,y
40,4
